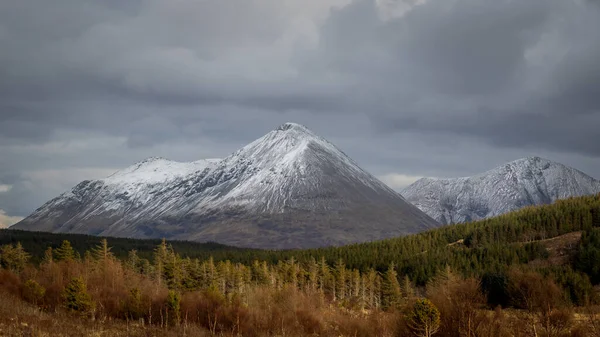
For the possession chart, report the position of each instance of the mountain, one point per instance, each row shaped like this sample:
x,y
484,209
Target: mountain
x,y
288,189
524,182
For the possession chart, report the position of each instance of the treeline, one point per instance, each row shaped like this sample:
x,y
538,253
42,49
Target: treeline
x,y
472,249
298,299
36,243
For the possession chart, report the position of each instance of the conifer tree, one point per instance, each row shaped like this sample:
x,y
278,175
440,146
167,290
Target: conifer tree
x,y
133,260
312,274
390,289
340,279
424,319
408,291
76,296
160,257
102,251
174,307
65,252
13,258
48,256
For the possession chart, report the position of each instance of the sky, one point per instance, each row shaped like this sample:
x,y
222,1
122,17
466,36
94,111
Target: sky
x,y
407,88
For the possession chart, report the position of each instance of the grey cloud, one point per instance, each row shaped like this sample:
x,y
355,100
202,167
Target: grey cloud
x,y
443,88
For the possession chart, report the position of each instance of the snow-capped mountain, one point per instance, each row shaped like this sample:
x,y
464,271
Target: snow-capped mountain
x,y
524,182
288,189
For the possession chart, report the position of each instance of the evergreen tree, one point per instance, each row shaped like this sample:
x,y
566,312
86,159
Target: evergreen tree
x,y
65,252
390,289
102,252
424,318
340,280
13,258
133,261
48,256
76,296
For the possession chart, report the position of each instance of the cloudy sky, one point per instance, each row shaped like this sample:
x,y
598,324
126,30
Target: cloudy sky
x,y
408,88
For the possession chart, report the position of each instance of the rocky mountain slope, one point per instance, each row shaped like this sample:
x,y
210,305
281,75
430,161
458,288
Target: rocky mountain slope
x,y
288,189
524,182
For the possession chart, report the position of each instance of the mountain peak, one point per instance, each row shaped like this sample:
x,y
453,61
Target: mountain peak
x,y
530,160
522,182
292,126
288,189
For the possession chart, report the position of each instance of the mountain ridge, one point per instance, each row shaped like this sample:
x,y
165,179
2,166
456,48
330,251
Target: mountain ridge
x,y
523,182
287,189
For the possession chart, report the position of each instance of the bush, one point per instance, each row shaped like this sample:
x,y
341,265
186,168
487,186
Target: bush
x,y
133,307
33,292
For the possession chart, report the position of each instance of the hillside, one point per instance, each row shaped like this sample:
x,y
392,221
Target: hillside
x,y
494,243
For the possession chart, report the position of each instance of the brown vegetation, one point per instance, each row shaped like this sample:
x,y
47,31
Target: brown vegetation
x,y
99,295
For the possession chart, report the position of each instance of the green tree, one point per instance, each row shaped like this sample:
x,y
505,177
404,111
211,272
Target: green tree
x,y
33,292
424,318
390,289
77,298
13,258
174,306
340,280
102,251
65,252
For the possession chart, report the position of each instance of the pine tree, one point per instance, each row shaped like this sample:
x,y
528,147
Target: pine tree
x,y
313,274
76,296
424,318
408,291
65,252
340,279
13,258
102,252
173,307
390,289
160,257
133,261
324,276
48,256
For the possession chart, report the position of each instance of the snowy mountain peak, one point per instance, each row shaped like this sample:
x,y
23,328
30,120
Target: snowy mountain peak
x,y
523,182
532,161
292,126
288,189
288,143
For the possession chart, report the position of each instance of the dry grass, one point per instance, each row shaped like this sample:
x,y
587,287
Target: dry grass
x,y
560,249
18,318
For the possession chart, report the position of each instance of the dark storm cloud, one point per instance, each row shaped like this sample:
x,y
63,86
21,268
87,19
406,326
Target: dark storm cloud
x,y
438,87
511,73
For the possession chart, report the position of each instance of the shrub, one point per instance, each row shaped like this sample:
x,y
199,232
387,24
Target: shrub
x,y
33,292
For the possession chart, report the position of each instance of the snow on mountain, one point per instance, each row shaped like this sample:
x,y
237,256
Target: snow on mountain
x,y
157,170
524,182
288,189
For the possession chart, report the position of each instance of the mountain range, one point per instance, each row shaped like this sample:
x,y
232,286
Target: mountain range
x,y
524,182
288,189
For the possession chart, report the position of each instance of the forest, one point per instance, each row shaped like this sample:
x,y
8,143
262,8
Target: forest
x,y
532,272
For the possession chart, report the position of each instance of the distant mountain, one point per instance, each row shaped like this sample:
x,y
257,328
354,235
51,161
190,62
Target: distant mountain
x,y
524,182
288,189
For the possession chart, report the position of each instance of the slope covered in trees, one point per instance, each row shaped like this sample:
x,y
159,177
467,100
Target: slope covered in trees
x,y
471,248
463,270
